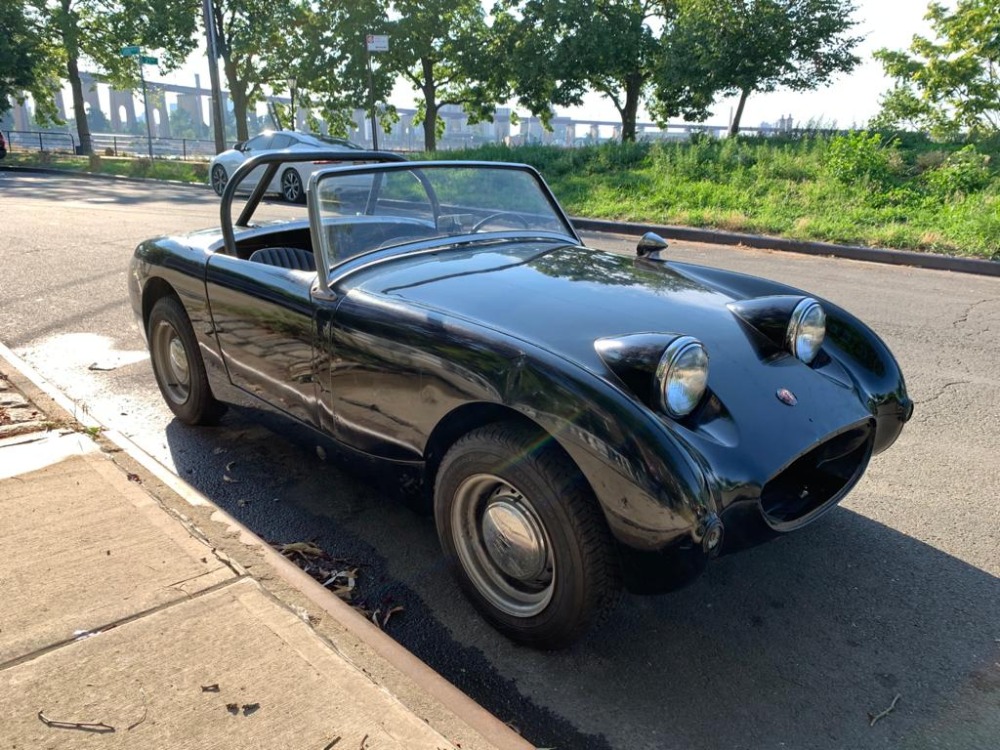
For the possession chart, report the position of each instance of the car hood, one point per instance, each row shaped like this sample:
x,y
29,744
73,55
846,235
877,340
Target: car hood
x,y
559,297
564,298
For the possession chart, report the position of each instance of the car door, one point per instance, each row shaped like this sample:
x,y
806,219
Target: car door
x,y
256,145
263,318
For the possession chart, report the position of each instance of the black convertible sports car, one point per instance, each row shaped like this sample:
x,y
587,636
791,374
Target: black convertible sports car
x,y
582,420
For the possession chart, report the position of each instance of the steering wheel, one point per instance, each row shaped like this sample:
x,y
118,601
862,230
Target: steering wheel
x,y
500,215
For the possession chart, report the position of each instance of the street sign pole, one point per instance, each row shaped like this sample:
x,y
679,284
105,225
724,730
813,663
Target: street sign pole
x,y
145,104
133,50
371,98
374,43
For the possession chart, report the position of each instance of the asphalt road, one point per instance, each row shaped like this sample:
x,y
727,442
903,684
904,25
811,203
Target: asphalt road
x,y
790,645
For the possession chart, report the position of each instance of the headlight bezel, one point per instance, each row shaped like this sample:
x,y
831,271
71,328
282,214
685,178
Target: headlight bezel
x,y
804,315
668,371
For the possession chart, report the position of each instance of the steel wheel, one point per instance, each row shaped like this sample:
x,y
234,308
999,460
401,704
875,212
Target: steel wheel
x,y
177,364
219,179
503,546
170,359
291,186
525,535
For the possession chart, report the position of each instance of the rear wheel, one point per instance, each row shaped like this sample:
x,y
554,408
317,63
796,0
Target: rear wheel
x,y
177,365
525,536
291,187
219,179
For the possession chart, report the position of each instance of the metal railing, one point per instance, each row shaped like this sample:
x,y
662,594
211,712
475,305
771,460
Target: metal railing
x,y
40,140
109,144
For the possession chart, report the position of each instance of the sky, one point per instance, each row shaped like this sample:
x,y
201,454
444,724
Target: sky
x,y
851,99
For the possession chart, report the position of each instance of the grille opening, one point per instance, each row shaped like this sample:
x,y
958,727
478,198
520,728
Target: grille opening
x,y
818,477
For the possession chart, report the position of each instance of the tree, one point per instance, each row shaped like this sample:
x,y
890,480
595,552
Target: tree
x,y
741,47
98,29
443,49
629,51
557,51
331,74
257,41
28,66
950,84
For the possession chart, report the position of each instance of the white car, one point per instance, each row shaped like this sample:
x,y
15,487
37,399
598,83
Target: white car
x,y
291,180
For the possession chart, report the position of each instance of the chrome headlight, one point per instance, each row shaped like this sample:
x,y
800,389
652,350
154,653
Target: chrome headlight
x,y
682,376
806,330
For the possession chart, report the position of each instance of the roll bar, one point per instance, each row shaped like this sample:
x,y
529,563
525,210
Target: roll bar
x,y
273,162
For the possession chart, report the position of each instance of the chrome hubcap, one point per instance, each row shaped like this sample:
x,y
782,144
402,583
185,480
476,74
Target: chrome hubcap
x,y
178,359
513,540
503,545
171,362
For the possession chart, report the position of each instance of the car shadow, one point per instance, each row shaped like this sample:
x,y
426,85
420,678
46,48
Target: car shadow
x,y
795,643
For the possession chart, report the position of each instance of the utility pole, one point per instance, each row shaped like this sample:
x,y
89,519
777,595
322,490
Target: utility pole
x,y
218,127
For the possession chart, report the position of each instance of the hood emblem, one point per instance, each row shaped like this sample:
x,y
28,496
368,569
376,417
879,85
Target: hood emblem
x,y
786,397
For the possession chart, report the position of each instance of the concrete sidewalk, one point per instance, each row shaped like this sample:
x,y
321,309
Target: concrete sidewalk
x,y
125,624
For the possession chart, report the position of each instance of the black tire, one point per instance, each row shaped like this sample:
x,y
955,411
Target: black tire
x,y
291,187
177,365
219,179
557,574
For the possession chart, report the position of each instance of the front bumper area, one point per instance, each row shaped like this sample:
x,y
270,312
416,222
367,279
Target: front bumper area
x,y
801,491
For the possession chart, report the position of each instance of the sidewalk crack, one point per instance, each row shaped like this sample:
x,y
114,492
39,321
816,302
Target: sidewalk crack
x,y
104,628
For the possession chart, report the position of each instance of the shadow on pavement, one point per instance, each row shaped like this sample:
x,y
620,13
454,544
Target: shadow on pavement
x,y
790,644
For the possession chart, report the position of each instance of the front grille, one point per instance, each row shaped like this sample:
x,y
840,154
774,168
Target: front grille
x,y
818,478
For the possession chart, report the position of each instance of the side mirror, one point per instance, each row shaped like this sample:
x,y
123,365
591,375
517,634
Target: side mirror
x,y
650,246
240,145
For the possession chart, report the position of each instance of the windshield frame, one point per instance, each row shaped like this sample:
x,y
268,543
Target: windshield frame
x,y
417,168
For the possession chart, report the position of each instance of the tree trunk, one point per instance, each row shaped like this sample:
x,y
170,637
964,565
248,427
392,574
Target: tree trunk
x,y
734,126
633,88
430,105
72,45
238,95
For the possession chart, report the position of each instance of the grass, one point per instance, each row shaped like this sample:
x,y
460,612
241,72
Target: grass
x,y
861,188
865,189
159,169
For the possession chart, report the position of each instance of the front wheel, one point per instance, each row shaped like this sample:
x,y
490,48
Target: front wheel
x,y
219,179
177,365
525,536
291,187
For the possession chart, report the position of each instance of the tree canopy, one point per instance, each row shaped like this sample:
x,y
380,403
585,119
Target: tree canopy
x,y
951,83
741,47
258,41
96,30
28,66
557,51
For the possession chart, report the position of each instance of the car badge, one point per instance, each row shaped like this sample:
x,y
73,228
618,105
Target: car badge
x,y
786,397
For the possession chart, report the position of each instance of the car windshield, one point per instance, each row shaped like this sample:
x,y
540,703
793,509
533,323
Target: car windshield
x,y
364,209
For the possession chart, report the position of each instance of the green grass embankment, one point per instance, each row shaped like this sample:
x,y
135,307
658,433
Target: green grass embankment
x,y
856,189
157,169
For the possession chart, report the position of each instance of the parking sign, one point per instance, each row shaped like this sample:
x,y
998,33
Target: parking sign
x,y
377,42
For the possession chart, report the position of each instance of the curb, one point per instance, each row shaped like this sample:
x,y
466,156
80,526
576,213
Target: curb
x,y
51,400
782,244
98,176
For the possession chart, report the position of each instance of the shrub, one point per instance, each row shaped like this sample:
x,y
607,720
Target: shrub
x,y
140,167
862,156
965,171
